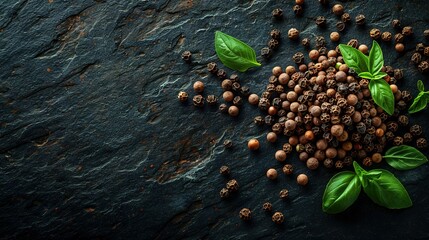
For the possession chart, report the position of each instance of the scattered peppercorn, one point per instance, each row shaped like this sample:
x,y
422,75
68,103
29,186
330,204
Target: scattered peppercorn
x,y
423,67
224,193
186,56
305,42
223,108
345,17
302,179
340,26
284,194
266,52
407,31
338,9
278,218
426,33
399,47
198,86
293,34
227,143
233,111
277,13
288,169
182,96
245,214
224,170
198,101
386,36
253,144
321,21
268,207
211,100
375,33
360,19
422,143
212,67
399,38
298,10
396,23
232,185
335,36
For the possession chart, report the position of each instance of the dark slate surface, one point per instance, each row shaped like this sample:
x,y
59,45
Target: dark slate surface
x,y
94,144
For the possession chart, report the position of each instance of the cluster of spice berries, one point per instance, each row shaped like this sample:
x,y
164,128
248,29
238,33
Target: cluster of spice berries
x,y
231,186
297,9
272,44
421,58
327,112
198,100
277,217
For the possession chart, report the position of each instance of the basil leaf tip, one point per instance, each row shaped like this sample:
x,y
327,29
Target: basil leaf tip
x,y
234,53
404,157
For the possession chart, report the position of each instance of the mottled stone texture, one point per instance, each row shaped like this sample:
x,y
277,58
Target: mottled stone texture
x,y
95,145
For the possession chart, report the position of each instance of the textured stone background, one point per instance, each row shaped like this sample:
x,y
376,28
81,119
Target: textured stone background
x,y
94,144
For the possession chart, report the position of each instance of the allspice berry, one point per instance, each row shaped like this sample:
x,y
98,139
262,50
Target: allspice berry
x,y
280,155
253,144
198,86
312,163
338,9
335,36
337,130
399,47
245,214
228,96
253,99
376,157
233,111
278,218
302,179
272,174
271,137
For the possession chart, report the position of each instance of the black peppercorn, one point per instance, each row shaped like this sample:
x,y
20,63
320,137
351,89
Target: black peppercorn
x,y
275,34
288,169
305,42
198,101
237,101
182,96
245,214
273,44
233,77
340,26
321,21
367,161
298,10
353,43
245,91
277,13
423,67
386,36
420,47
227,143
416,58
259,120
320,42
397,141
268,207
407,31
406,96
221,74
278,218
293,34
339,164
232,185
426,33
284,194
416,130
408,137
223,108
403,120
396,23
298,58
266,52
360,20
287,148
269,120
421,143
398,74
224,170
389,136
375,33
211,100
426,51
224,193
345,17
399,38
328,163
186,56
212,67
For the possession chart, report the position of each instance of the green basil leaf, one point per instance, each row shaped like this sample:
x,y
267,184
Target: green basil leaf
x,y
375,60
366,75
382,95
360,173
380,75
354,58
419,103
341,192
404,157
234,53
386,190
420,86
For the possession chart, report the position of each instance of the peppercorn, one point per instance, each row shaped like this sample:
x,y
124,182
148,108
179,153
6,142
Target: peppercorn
x,y
272,174
407,31
253,144
182,96
408,137
345,17
224,193
298,58
367,161
221,74
421,143
277,13
223,108
406,96
280,155
198,101
278,218
299,2
312,163
426,51
264,104
273,44
224,170
328,163
284,194
269,120
338,9
398,74
397,141
360,19
268,207
353,43
423,67
233,111
305,42
416,130
211,100
232,185
399,38
245,214
186,56
212,67
266,52
259,120
288,169
396,23
335,36
298,10
399,47
293,34
386,36
321,21
403,120
375,33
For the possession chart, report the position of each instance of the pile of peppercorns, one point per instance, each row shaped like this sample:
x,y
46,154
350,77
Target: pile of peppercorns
x,y
328,115
421,57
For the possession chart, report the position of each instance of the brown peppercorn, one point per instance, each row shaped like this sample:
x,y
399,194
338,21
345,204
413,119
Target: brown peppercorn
x,y
277,13
403,120
313,54
182,96
186,56
375,33
232,185
211,100
339,164
397,141
280,155
298,10
268,207
399,47
224,170
337,130
223,108
233,111
416,130
360,19
272,174
275,34
253,99
305,42
399,38
221,74
245,214
328,163
198,101
224,193
338,9
408,137
298,58
407,31
273,44
421,143
288,169
293,34
423,67
212,67
266,52
302,179
284,194
396,23
198,86
331,152
278,218
312,163
376,158
367,161
259,120
299,2
321,21
335,36
271,137
386,36
253,144
426,51
287,147
345,17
